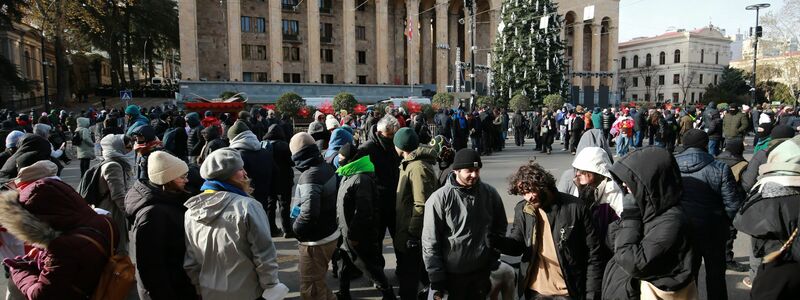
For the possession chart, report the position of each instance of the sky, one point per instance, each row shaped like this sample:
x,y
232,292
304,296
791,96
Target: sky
x,y
652,17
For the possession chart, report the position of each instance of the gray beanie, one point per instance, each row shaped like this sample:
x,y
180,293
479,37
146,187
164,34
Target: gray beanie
x,y
299,141
221,164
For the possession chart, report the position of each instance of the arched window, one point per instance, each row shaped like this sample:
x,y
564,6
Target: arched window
x,y
716,58
28,64
624,63
702,55
662,58
677,56
635,61
648,60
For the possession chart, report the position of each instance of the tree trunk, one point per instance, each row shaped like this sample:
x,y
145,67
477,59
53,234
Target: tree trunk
x,y
128,52
151,67
62,67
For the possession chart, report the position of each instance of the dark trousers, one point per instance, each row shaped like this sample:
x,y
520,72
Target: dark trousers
x,y
709,245
410,273
574,139
473,286
85,163
547,141
533,295
566,140
487,142
729,244
366,257
519,136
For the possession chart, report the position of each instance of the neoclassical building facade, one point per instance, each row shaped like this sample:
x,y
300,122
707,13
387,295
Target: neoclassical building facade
x,y
371,41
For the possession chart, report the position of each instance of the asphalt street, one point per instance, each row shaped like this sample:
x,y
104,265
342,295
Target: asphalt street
x,y
496,170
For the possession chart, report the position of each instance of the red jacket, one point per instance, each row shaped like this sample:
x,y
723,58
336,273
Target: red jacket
x,y
210,121
50,214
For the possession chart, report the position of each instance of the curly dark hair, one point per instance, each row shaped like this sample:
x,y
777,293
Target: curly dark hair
x,y
531,177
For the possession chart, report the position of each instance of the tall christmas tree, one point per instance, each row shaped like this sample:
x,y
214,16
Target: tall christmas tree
x,y
528,53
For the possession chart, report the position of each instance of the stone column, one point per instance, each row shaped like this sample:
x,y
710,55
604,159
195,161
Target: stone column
x,y
187,23
577,50
467,50
234,41
382,41
275,41
613,35
452,36
426,61
412,53
349,41
442,60
313,62
596,55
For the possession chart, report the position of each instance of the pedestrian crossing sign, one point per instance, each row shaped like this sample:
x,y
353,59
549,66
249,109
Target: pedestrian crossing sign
x,y
125,95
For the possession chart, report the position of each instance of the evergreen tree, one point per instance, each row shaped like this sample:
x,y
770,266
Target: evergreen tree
x,y
528,51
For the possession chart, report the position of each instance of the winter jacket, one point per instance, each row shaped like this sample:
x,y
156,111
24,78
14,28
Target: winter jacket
x,y
157,243
576,242
315,196
213,141
607,119
714,128
590,138
655,245
339,137
711,109
284,173
457,223
176,142
258,163
597,120
750,174
195,140
710,196
134,124
116,178
382,154
68,266
734,125
86,148
737,163
769,216
31,148
686,122
229,249
357,206
417,182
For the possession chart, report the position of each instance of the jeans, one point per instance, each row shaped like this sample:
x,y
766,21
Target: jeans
x,y
622,144
637,139
713,147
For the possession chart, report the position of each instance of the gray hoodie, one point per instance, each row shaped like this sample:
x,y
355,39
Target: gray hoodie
x,y
229,249
590,138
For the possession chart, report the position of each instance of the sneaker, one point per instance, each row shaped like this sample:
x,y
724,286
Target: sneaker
x,y
747,282
737,267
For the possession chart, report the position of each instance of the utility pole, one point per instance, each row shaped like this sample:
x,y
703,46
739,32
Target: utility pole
x,y
470,5
46,99
755,33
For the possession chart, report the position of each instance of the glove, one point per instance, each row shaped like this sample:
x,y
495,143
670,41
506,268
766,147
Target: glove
x,y
438,290
20,263
630,210
412,244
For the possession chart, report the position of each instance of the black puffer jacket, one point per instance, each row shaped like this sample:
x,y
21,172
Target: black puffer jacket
x,y
157,242
656,247
258,163
284,179
195,140
382,154
315,195
32,148
576,242
357,208
710,196
770,217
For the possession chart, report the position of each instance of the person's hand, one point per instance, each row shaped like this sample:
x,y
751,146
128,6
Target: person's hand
x,y
20,263
438,290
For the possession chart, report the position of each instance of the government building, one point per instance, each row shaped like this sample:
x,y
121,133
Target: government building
x,y
379,43
675,66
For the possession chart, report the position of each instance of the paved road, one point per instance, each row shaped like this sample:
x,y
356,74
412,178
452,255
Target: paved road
x,y
496,170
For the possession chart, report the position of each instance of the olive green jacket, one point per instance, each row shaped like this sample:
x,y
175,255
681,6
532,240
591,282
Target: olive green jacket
x,y
418,181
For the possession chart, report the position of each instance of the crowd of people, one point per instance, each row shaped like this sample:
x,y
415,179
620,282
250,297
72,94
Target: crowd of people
x,y
196,202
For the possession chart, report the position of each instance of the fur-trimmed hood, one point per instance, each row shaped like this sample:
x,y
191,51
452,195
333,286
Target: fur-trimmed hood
x,y
23,224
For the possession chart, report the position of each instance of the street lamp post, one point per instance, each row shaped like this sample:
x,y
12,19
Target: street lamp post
x,y
470,5
755,34
46,99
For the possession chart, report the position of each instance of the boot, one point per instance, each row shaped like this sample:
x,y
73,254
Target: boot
x,y
387,293
342,295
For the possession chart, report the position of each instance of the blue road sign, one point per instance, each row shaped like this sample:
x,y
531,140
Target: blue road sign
x,y
125,95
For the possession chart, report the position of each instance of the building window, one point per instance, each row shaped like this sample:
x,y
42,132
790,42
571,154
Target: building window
x,y
361,33
692,97
660,79
701,79
362,79
624,62
648,60
662,58
675,97
326,32
291,53
254,52
253,24
635,97
289,4
327,78
291,30
715,79
646,97
676,79
635,81
702,55
245,24
660,97
677,56
261,25
326,55
647,81
700,97
326,6
254,76
635,61
361,57
291,77
716,58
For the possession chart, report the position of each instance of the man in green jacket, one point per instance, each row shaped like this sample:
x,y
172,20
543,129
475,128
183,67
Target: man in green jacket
x,y
417,182
734,124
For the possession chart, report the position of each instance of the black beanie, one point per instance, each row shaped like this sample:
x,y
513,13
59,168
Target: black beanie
x,y
735,147
348,152
782,132
765,130
467,158
695,138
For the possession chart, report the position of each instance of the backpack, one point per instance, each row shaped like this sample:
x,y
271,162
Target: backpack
x,y
89,188
77,138
118,276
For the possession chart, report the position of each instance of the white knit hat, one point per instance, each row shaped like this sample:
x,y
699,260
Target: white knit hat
x,y
162,167
331,123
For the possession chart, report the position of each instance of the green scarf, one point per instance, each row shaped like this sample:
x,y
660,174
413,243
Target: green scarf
x,y
361,165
